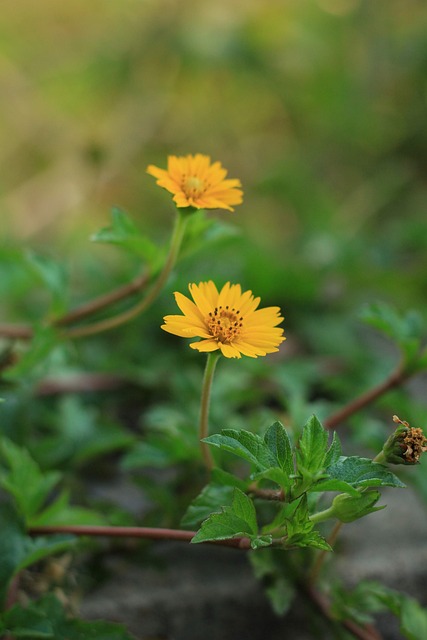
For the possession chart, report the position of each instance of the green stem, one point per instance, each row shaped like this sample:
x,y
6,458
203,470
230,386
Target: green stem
x,y
380,457
321,516
110,323
204,408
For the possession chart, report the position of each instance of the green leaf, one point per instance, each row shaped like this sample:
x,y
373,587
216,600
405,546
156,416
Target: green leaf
x,y
17,550
413,619
24,480
211,498
300,530
363,472
333,485
311,448
277,440
124,233
334,452
219,476
246,445
35,359
53,275
236,520
60,512
271,568
46,618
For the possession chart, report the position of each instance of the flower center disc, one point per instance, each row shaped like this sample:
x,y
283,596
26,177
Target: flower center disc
x,y
224,324
194,187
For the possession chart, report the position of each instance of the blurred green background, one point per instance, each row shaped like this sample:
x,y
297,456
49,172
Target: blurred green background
x,y
318,106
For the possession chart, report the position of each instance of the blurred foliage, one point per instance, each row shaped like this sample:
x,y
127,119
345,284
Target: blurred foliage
x,y
318,106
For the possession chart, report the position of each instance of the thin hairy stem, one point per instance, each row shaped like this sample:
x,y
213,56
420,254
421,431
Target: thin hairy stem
x,y
204,408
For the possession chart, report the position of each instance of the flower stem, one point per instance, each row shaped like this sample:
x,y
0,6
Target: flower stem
x,y
204,408
115,321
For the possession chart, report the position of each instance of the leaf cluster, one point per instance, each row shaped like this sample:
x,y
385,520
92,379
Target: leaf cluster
x,y
292,478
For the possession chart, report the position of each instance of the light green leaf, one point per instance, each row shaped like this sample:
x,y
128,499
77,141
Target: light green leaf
x,y
246,445
124,233
311,448
236,520
349,508
211,498
277,440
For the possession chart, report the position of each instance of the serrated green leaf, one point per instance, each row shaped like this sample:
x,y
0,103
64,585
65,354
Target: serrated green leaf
x,y
300,530
363,472
244,508
211,498
277,440
23,479
222,526
334,452
236,520
123,232
311,448
246,445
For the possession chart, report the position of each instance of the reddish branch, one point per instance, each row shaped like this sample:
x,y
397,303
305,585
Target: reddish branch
x,y
366,632
396,378
147,533
25,332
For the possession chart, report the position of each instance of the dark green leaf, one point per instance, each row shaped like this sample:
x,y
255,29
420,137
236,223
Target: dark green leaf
x,y
212,497
363,472
24,480
46,618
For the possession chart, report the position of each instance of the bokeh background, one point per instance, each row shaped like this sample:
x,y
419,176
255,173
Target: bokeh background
x,y
318,106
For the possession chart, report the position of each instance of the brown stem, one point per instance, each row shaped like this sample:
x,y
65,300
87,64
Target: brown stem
x,y
25,332
148,533
103,301
394,380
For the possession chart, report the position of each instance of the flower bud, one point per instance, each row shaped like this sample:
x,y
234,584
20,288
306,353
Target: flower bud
x,y
405,445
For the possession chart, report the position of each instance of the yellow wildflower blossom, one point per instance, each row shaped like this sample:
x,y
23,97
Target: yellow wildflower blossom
x,y
228,320
195,182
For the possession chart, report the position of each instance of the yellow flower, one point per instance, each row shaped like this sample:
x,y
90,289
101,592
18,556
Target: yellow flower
x,y
195,182
228,320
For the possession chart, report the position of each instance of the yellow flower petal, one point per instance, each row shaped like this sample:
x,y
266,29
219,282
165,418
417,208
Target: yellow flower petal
x,y
228,320
195,182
